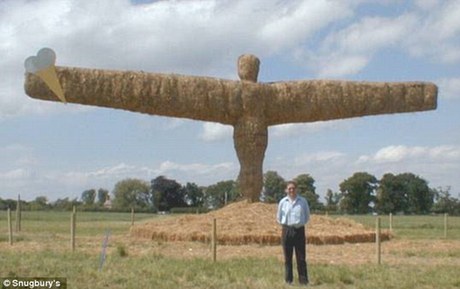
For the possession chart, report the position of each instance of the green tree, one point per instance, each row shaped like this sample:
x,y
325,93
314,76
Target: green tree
x,y
102,195
8,203
167,193
194,195
3,204
391,195
274,187
420,197
40,203
332,200
222,193
406,193
358,192
306,188
445,203
88,197
132,193
65,204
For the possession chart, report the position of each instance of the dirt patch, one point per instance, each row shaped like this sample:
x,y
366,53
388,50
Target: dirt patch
x,y
251,223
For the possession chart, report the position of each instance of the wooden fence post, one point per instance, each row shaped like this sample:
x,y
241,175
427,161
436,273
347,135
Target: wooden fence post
x,y
18,214
445,225
214,240
377,241
132,216
391,222
10,228
73,222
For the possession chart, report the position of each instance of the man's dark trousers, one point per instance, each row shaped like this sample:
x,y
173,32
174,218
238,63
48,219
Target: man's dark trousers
x,y
294,238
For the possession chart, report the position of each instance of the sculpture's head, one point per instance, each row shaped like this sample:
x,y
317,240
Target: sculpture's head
x,y
248,67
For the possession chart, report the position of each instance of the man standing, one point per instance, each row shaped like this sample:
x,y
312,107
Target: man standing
x,y
293,213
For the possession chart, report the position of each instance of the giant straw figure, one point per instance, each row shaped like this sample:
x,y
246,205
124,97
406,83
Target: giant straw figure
x,y
250,107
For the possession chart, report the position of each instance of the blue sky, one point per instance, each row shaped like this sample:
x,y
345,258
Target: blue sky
x,y
59,150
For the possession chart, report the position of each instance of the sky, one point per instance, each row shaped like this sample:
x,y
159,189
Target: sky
x,y
59,150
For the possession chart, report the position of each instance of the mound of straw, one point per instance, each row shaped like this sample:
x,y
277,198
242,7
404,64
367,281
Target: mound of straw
x,y
251,223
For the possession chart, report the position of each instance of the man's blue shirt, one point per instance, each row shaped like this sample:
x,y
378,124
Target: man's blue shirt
x,y
293,213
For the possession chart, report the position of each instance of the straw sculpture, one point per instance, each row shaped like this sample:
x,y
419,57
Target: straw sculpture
x,y
247,105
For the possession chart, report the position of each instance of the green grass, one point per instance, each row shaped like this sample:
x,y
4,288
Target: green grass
x,y
81,271
413,227
53,227
89,223
154,270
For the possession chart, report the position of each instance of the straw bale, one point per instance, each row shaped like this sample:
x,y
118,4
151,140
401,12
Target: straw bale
x,y
251,223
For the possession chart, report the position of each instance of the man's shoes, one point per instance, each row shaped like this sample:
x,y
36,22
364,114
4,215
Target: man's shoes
x,y
303,281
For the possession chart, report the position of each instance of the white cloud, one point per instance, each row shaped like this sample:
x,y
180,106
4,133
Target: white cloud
x,y
16,174
398,153
371,34
216,132
348,51
293,129
200,173
294,22
419,154
17,155
120,170
427,4
436,36
431,31
71,183
328,168
194,168
449,88
322,157
341,65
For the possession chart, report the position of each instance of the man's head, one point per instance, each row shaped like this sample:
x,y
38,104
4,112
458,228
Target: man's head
x,y
291,189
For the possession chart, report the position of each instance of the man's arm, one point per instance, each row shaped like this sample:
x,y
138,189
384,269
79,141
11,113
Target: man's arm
x,y
279,212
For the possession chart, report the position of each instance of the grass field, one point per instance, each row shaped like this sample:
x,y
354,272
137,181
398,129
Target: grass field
x,y
414,227
418,257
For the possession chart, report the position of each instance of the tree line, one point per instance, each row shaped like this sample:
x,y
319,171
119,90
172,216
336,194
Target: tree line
x,y
361,193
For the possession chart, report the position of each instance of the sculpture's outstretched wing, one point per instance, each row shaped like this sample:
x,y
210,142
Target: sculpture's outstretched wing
x,y
318,100
200,98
